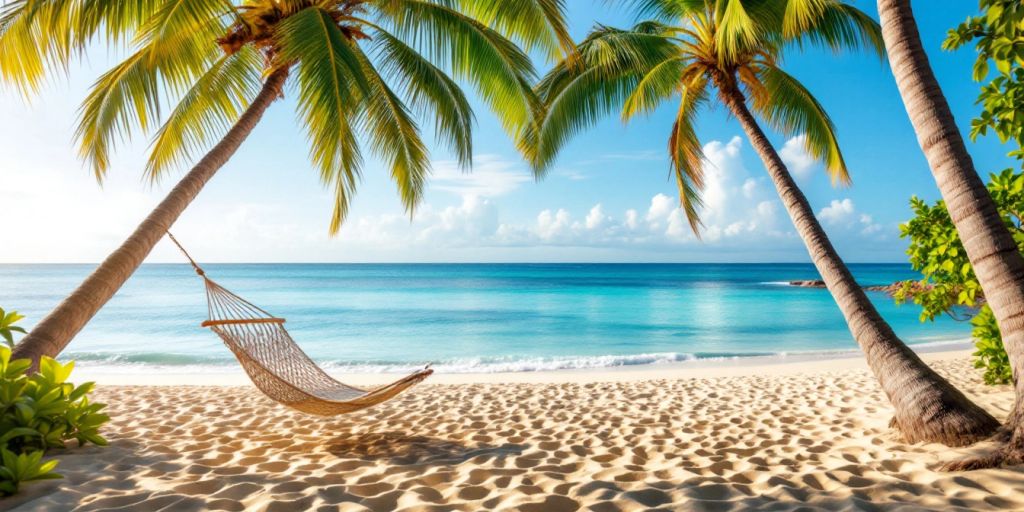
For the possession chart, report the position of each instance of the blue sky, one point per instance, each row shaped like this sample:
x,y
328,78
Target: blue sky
x,y
609,198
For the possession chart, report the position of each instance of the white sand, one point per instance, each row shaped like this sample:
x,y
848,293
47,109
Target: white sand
x,y
733,437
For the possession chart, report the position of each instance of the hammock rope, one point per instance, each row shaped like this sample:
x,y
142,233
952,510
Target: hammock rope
x,y
275,363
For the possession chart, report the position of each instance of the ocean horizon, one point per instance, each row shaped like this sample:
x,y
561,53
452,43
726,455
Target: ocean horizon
x,y
475,317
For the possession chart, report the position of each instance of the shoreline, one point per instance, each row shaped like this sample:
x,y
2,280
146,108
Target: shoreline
x,y
702,368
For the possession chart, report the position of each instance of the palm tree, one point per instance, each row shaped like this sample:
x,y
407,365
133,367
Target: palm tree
x,y
360,70
733,47
990,246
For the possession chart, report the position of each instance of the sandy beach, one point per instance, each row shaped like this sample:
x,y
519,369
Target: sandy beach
x,y
809,435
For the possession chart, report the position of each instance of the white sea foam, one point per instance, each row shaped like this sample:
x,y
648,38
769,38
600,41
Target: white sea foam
x,y
157,363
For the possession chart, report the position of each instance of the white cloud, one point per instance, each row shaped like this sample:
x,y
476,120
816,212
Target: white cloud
x,y
794,154
839,211
735,203
737,209
596,218
661,207
749,188
553,224
842,213
632,219
490,176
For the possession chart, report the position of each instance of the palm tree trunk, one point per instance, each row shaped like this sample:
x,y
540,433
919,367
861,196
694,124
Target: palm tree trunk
x,y
928,408
55,331
991,249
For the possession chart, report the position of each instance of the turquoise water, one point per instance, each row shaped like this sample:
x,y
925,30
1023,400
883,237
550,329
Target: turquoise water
x,y
483,317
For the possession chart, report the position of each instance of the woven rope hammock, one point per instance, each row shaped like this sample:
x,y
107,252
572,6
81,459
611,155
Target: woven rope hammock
x,y
276,364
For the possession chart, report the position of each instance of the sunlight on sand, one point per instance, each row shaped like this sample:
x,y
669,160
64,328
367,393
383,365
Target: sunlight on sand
x,y
773,442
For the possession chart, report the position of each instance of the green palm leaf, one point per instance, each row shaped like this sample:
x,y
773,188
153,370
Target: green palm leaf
x,y
206,111
687,155
332,85
793,110
394,136
534,23
429,90
499,70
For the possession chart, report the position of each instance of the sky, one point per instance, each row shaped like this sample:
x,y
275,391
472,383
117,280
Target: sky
x,y
609,198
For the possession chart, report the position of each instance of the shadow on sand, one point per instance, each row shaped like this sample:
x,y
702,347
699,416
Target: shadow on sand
x,y
402,449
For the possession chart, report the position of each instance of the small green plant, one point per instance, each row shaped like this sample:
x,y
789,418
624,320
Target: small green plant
x,y
24,467
39,412
7,327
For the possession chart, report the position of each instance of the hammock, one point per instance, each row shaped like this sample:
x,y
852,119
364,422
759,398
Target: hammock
x,y
275,363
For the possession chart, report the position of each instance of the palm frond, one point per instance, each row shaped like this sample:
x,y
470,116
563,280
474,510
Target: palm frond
x,y
472,51
659,84
206,111
32,42
793,110
332,87
803,14
614,61
430,91
130,95
837,26
533,23
687,155
394,136
42,36
669,11
121,99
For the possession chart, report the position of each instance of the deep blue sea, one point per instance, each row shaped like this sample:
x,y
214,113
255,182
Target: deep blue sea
x,y
475,318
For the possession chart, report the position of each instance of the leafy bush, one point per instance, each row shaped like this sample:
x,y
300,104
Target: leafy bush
x,y
7,327
990,354
998,36
948,284
39,412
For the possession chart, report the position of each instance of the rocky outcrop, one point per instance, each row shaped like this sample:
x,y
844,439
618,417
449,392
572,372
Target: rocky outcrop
x,y
818,283
809,283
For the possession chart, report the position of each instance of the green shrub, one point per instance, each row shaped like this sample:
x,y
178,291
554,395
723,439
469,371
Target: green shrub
x,y
39,412
948,285
7,327
990,355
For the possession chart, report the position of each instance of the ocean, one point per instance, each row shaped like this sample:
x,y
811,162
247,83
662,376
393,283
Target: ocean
x,y
475,317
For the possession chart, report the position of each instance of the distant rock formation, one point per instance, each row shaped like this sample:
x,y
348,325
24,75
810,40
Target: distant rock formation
x,y
818,283
809,283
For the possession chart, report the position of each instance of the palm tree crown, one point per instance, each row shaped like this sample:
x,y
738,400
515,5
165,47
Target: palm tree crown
x,y
361,71
688,47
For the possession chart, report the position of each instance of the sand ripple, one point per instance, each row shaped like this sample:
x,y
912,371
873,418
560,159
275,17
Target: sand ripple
x,y
815,441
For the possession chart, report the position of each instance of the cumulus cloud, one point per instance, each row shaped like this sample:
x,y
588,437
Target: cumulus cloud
x,y
842,213
839,211
596,218
737,208
735,202
794,154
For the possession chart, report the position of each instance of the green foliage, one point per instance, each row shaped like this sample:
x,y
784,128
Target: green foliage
x,y
7,327
688,49
39,412
948,284
23,467
999,40
990,355
363,71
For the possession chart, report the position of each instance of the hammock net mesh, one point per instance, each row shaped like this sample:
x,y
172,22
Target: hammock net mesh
x,y
276,364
